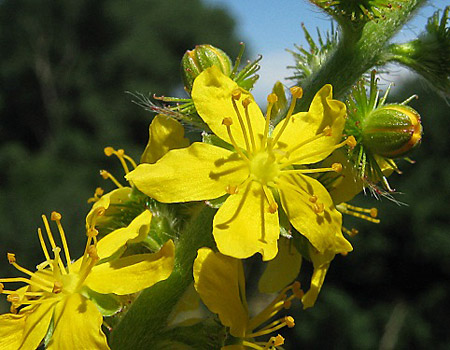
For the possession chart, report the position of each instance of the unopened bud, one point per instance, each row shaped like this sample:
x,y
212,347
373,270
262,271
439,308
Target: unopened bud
x,y
203,56
392,131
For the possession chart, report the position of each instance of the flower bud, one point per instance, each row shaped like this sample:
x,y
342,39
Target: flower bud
x,y
391,131
202,57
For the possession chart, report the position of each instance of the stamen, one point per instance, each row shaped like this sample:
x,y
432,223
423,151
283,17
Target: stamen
x,y
297,92
349,142
313,199
57,217
318,208
325,132
356,212
236,95
46,286
44,247
273,206
352,233
245,103
273,327
271,99
336,167
228,122
57,262
119,154
106,175
53,245
232,189
57,287
97,195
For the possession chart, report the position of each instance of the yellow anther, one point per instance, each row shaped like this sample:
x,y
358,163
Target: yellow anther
x,y
327,131
290,322
287,304
104,174
109,151
313,199
120,152
273,207
279,340
351,142
100,211
99,191
236,94
1,287
318,208
246,102
373,212
57,287
296,91
55,216
232,189
92,252
227,121
272,98
344,253
11,258
13,298
337,167
92,232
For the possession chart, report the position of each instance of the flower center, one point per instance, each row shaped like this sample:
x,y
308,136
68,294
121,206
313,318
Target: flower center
x,y
264,168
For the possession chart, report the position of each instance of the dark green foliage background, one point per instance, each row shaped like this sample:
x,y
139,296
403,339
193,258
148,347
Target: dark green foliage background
x,y
64,68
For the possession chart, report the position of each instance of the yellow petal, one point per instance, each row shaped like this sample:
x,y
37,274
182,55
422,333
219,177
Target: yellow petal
x,y
243,225
323,112
77,325
348,183
117,196
11,329
165,134
132,273
198,172
37,323
211,93
321,263
282,270
323,229
216,279
137,230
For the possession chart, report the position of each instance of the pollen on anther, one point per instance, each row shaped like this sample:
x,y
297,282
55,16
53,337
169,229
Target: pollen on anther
x,y
272,98
273,207
236,94
374,212
2,286
92,232
318,208
327,131
13,298
227,121
287,304
109,151
55,216
11,258
232,189
290,322
351,142
104,174
246,102
279,340
92,252
57,287
313,199
337,167
296,91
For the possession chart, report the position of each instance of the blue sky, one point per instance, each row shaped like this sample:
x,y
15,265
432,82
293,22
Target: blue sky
x,y
269,27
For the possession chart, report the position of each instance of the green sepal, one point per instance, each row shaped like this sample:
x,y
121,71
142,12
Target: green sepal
x,y
107,304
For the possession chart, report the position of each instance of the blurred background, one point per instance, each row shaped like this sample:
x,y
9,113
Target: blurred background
x,y
64,69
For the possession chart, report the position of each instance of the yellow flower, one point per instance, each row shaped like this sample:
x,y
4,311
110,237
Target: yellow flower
x,y
220,282
56,296
256,168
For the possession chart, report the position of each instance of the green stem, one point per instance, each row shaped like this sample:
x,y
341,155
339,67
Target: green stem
x,y
357,52
147,316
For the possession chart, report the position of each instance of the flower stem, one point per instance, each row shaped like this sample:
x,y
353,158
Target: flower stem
x,y
147,316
